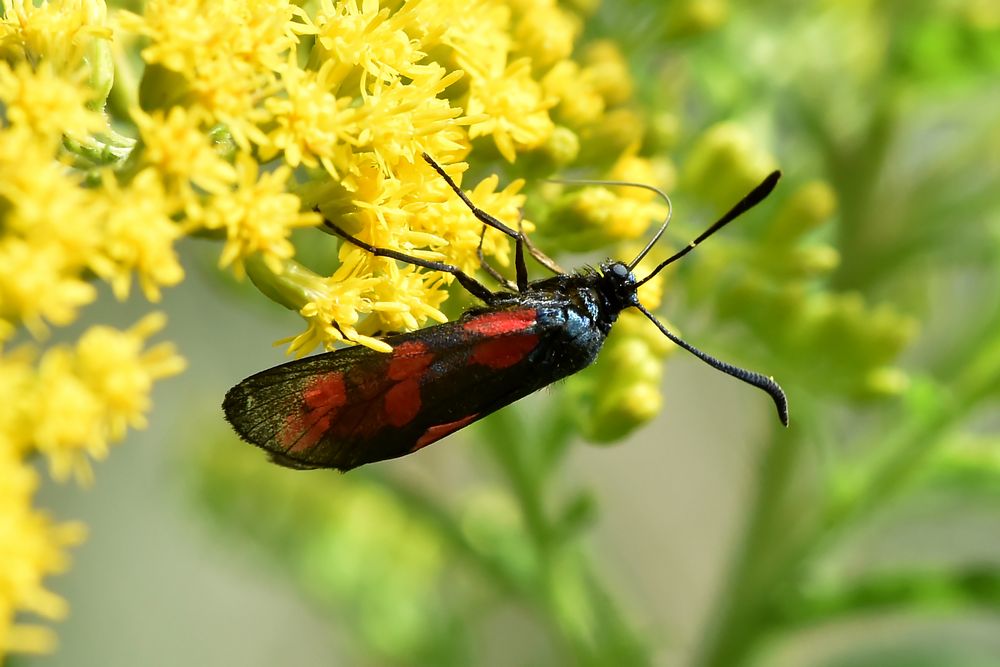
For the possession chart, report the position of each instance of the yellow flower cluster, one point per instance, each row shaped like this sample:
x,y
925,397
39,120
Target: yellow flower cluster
x,y
343,98
63,223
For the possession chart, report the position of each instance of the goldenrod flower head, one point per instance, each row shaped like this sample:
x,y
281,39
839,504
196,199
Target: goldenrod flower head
x,y
514,105
373,38
45,102
450,220
175,143
61,32
188,35
579,104
544,32
225,52
332,307
607,72
397,123
39,284
32,546
86,397
138,236
596,216
257,216
310,124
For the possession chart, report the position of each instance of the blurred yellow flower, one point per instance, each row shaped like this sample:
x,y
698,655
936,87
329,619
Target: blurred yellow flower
x,y
31,547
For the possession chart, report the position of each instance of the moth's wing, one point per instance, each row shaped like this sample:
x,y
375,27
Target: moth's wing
x,y
355,406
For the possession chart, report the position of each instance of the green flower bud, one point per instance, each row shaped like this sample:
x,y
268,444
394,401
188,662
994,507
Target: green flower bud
x,y
725,164
807,208
801,263
608,72
618,130
664,132
687,19
621,391
886,381
562,146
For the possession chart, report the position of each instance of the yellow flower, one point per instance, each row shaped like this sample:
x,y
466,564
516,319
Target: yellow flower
x,y
175,143
31,547
186,34
49,234
578,102
138,236
61,32
515,107
373,39
86,397
49,104
450,219
595,216
257,216
544,32
39,283
310,124
334,306
400,121
409,297
607,72
226,53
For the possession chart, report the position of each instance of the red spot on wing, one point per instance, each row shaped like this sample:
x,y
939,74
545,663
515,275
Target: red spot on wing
x,y
503,352
321,398
435,433
402,402
409,359
409,362
503,322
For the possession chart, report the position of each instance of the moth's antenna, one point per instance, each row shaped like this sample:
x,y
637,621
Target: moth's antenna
x,y
755,197
644,186
750,377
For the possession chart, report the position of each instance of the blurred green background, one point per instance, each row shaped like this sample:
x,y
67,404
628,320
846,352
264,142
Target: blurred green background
x,y
868,533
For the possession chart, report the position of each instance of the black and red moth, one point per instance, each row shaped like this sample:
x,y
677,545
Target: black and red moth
x,y
354,406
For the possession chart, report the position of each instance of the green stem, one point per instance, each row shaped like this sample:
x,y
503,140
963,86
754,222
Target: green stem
x,y
528,465
736,624
771,563
905,451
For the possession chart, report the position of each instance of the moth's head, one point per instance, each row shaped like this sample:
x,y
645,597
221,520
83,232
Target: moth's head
x,y
619,283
